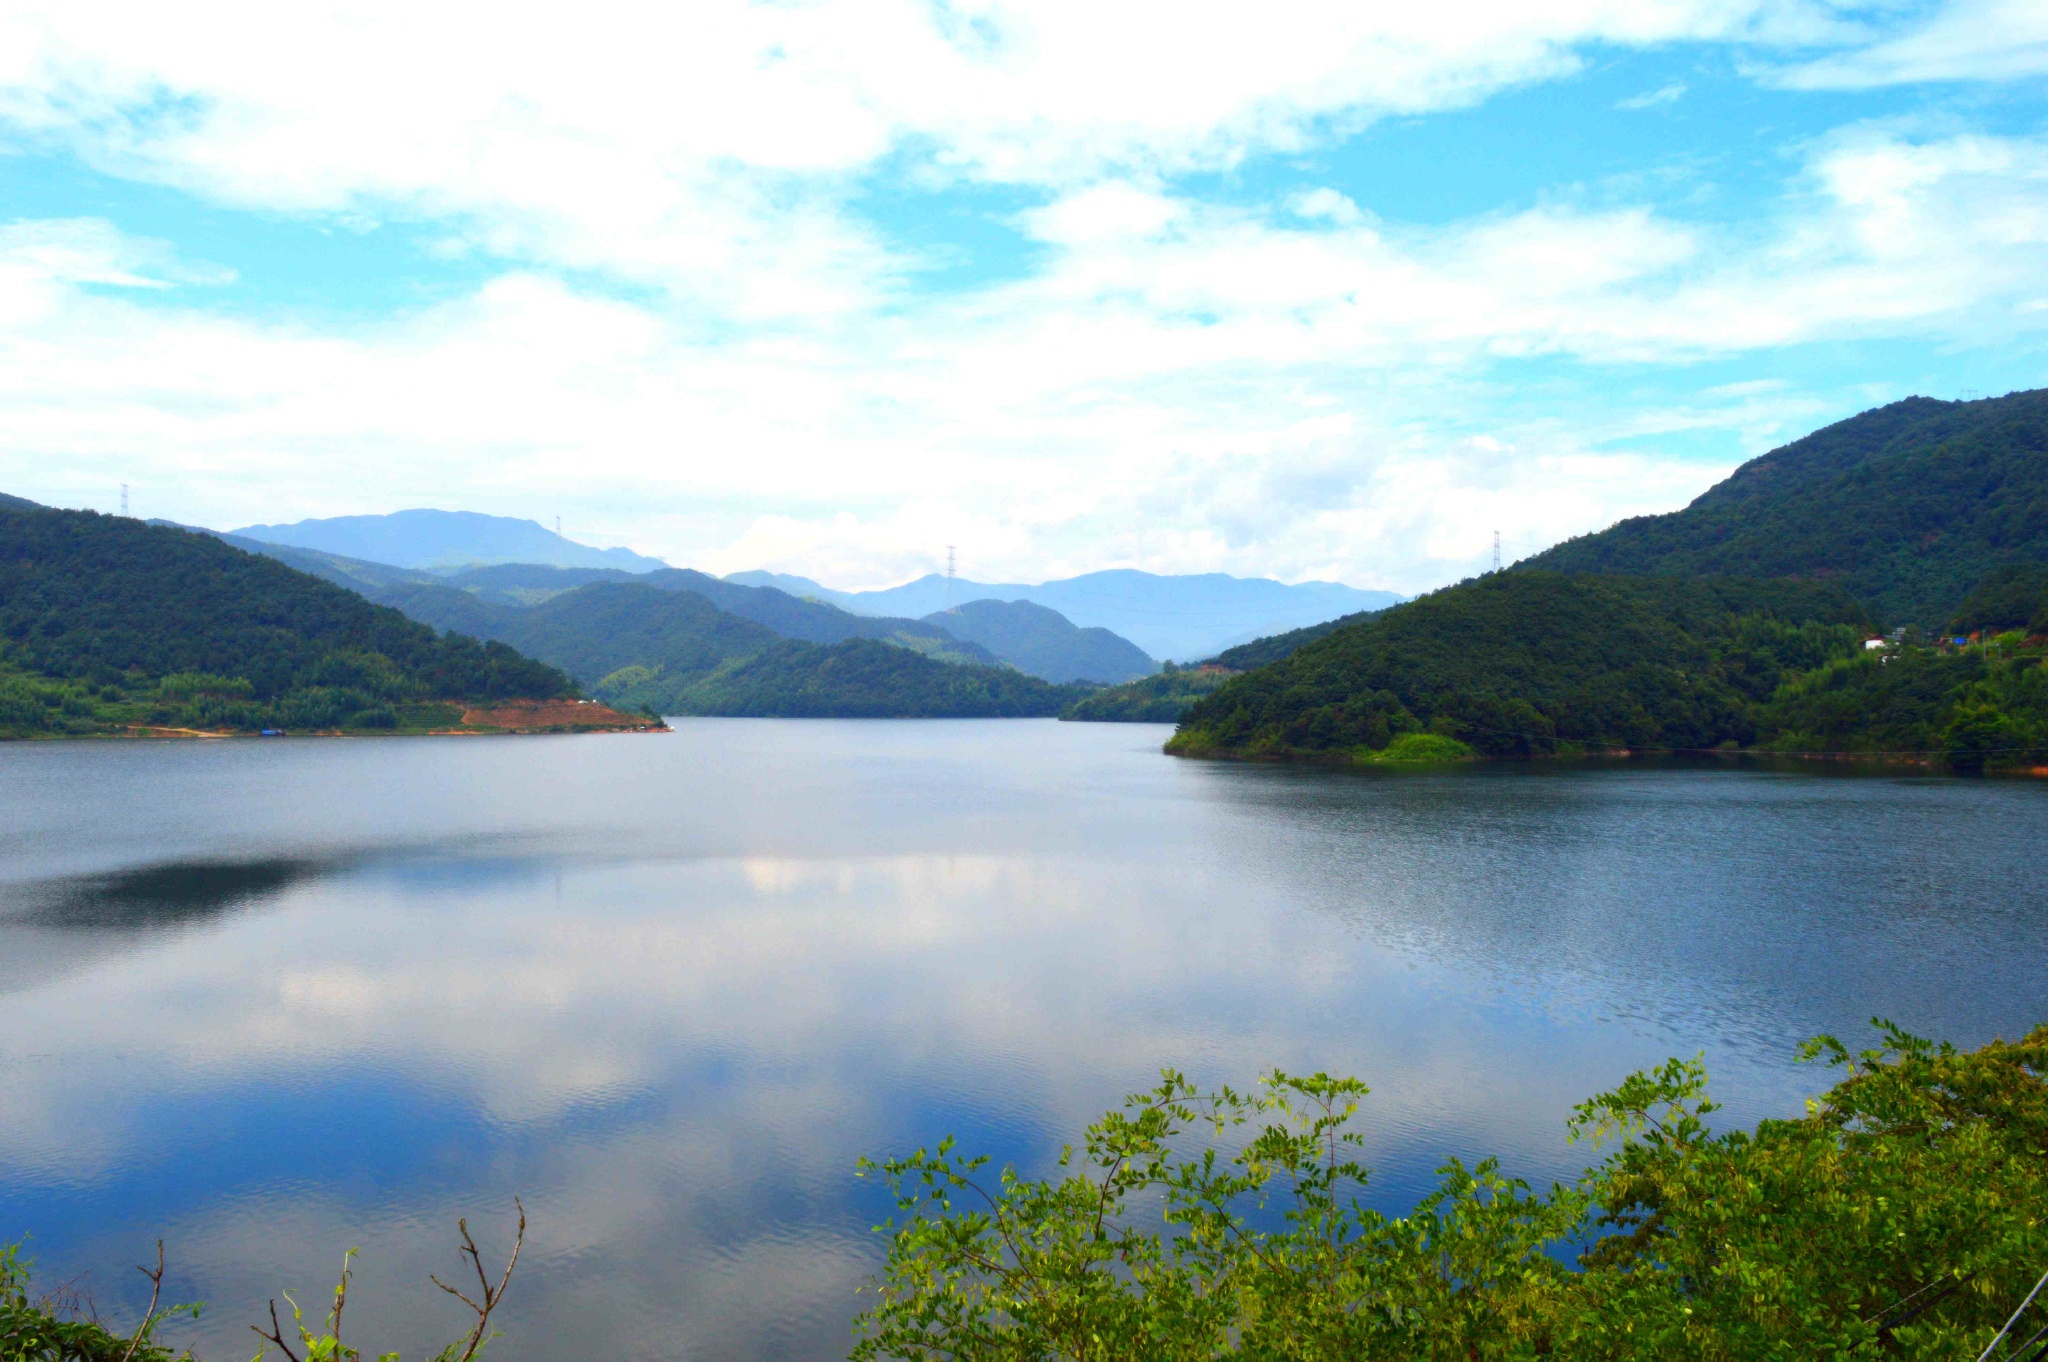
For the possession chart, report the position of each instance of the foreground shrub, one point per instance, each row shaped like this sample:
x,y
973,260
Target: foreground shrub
x,y
1904,1215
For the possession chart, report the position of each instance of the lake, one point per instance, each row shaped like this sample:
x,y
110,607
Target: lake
x,y
272,1000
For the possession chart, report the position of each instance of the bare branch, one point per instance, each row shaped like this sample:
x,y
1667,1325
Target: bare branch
x,y
492,1295
276,1334
156,1287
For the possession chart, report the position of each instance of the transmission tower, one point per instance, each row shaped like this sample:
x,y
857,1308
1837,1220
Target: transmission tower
x,y
1496,550
949,579
124,501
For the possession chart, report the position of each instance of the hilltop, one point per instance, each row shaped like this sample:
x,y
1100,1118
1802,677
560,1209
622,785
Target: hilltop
x,y
1906,506
1526,663
1739,621
443,540
1044,642
109,624
665,648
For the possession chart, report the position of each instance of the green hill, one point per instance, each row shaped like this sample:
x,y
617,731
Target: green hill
x,y
864,679
1161,698
788,616
1044,642
1166,696
2011,597
643,647
595,630
1973,707
1907,506
108,623
1536,662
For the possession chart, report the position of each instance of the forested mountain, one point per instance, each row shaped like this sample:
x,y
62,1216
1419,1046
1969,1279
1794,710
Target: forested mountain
x,y
1907,506
671,651
1168,695
1044,643
2011,597
523,584
595,630
1161,698
106,621
444,539
1535,662
1260,651
858,679
356,574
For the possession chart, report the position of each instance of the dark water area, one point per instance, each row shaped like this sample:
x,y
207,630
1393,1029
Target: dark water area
x,y
270,1001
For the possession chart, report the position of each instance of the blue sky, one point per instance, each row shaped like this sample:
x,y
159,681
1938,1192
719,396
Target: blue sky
x,y
1300,291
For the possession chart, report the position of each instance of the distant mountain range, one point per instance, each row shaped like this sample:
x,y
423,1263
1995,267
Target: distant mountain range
x,y
444,541
506,601
1185,617
1181,617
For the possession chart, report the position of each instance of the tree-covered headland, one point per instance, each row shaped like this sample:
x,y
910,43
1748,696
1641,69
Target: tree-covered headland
x,y
112,625
1745,621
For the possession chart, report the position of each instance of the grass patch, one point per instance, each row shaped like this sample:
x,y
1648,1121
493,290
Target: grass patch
x,y
1417,749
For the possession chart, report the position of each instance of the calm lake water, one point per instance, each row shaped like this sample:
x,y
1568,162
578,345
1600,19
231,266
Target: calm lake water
x,y
271,1000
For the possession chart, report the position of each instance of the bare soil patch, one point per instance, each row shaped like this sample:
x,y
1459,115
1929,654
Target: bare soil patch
x,y
555,716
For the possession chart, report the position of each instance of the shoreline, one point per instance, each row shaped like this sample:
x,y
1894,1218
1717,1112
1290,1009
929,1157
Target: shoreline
x,y
1345,761
482,719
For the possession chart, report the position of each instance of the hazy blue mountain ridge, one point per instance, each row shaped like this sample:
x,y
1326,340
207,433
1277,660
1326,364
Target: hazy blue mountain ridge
x,y
1178,617
522,584
445,540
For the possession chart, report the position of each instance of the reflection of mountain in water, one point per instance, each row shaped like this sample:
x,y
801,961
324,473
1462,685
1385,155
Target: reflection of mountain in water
x,y
176,894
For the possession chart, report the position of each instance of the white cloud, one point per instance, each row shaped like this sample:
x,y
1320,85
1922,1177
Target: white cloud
x,y
1657,98
1965,40
92,251
1180,387
679,145
1296,387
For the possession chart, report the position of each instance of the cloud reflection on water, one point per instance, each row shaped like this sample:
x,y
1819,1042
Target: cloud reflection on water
x,y
804,943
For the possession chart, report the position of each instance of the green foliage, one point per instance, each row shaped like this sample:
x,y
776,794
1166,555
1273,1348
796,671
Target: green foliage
x,y
1906,506
1272,648
62,1328
1158,699
1971,707
145,624
2014,597
1901,1217
1526,663
1419,749
1069,1267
